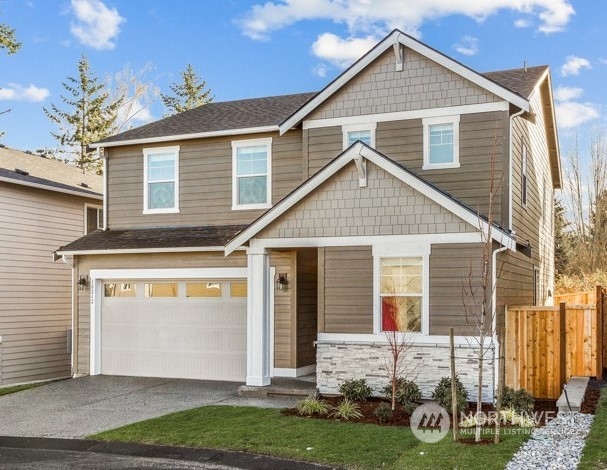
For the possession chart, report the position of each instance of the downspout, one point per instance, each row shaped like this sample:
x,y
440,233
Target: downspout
x,y
510,169
104,188
73,355
494,313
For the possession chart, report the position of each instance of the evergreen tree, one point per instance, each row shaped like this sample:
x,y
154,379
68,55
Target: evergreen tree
x,y
91,116
563,240
189,94
8,40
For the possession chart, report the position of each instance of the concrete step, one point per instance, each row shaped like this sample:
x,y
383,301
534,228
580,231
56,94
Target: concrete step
x,y
280,386
576,389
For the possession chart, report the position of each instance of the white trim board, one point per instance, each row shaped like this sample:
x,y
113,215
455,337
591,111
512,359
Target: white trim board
x,y
396,37
294,372
361,150
119,251
413,338
368,119
51,188
196,135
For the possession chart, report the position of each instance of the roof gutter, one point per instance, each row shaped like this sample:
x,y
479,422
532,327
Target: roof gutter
x,y
197,135
51,188
121,251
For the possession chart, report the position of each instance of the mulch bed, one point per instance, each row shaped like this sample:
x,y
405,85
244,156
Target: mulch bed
x,y
593,394
547,408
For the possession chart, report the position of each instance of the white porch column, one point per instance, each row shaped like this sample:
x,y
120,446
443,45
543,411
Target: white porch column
x,y
258,319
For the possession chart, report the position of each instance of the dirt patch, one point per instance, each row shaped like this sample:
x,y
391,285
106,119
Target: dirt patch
x,y
592,396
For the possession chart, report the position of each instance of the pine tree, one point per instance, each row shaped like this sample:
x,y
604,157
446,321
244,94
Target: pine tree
x,y
190,94
563,240
91,116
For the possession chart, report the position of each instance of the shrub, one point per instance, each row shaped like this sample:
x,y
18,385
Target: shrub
x,y
355,390
442,394
312,406
347,410
407,394
383,413
520,400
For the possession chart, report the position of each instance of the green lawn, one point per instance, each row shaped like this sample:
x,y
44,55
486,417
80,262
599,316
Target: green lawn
x,y
266,431
594,455
18,388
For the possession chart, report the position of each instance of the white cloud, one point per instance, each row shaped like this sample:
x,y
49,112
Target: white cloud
x,y
467,45
364,17
565,93
320,70
570,114
522,23
97,25
341,52
574,65
16,92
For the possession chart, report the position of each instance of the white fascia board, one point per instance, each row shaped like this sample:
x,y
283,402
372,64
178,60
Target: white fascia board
x,y
372,155
51,188
123,251
173,138
379,49
367,119
185,273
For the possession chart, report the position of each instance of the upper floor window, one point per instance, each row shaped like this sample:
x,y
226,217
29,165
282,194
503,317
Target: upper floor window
x,y
161,180
441,142
363,132
251,169
93,218
524,176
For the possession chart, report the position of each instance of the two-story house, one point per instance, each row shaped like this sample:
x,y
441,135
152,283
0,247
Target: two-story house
x,y
43,203
285,235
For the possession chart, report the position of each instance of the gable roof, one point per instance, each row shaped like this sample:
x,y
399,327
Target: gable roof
x,y
349,155
521,81
152,240
211,119
397,37
39,172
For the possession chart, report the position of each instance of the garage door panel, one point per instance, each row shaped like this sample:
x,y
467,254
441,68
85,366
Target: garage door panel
x,y
175,337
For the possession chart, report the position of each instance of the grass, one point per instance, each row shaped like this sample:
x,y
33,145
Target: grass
x,y
594,455
18,388
266,431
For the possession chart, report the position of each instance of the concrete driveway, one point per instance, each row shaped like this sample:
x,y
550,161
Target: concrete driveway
x,y
79,407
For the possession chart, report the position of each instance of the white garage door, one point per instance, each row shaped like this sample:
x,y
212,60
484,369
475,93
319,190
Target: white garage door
x,y
194,329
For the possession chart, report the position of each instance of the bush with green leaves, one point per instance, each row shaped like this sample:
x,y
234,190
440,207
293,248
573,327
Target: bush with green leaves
x,y
442,394
355,390
519,400
347,410
408,394
383,413
312,406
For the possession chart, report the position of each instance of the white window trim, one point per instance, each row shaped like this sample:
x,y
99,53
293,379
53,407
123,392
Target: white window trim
x,y
427,122
369,126
147,152
392,250
245,143
88,206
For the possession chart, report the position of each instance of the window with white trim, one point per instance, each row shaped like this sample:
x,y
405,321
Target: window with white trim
x,y
363,132
401,294
524,176
441,142
251,174
93,218
161,180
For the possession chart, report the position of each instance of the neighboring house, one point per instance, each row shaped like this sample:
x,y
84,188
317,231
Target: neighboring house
x,y
43,203
277,236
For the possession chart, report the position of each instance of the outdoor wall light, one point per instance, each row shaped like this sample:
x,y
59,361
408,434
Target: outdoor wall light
x,y
282,281
83,281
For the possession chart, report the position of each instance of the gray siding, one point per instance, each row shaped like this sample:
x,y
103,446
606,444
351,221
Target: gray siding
x,y
35,292
346,294
422,84
205,192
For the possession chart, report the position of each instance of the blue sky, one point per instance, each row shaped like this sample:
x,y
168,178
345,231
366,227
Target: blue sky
x,y
249,48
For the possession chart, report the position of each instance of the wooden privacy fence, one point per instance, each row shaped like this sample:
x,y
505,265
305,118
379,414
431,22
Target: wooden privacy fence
x,y
545,346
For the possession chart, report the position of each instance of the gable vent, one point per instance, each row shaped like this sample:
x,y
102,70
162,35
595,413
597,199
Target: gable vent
x,y
21,172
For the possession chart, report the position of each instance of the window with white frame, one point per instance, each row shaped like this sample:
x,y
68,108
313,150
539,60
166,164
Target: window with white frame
x,y
524,176
251,169
161,180
93,218
401,293
363,132
441,142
